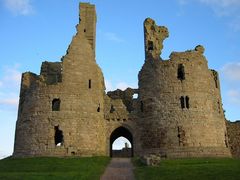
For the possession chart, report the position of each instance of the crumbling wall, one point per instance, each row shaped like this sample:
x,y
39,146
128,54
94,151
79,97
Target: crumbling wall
x,y
153,38
51,72
126,96
62,110
181,104
233,132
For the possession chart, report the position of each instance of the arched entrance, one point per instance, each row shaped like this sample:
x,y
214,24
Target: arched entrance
x,y
124,132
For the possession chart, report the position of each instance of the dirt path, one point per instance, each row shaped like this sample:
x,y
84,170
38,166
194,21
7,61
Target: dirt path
x,y
119,169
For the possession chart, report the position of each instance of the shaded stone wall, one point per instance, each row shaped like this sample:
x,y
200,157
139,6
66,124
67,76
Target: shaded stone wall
x,y
234,137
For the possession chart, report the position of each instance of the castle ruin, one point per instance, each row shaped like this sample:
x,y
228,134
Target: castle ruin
x,y
65,111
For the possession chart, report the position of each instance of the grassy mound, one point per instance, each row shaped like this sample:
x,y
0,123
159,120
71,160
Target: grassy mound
x,y
192,169
53,168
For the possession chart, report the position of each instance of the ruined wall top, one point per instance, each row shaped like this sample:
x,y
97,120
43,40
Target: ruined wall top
x,y
153,38
87,22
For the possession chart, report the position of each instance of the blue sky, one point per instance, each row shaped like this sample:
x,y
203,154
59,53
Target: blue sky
x,y
34,31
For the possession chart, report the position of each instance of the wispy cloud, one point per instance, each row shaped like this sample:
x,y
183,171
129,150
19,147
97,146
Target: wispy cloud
x,y
9,101
109,86
113,37
234,96
9,87
221,3
231,71
122,85
222,8
235,24
119,85
19,7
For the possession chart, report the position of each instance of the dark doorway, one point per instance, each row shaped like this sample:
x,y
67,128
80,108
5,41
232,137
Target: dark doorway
x,y
124,132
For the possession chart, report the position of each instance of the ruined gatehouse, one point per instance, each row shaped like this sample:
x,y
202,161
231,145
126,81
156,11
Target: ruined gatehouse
x,y
65,111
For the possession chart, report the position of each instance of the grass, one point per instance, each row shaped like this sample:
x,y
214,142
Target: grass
x,y
53,168
192,169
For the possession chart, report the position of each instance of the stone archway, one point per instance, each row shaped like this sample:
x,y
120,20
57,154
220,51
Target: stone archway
x,y
118,132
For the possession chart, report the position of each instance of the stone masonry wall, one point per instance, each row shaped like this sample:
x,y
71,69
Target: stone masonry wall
x,y
181,106
80,94
234,137
65,111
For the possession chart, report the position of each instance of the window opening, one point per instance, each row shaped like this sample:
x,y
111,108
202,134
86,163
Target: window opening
x,y
98,109
112,109
187,102
181,136
135,96
150,45
181,72
56,105
58,136
141,107
89,83
182,102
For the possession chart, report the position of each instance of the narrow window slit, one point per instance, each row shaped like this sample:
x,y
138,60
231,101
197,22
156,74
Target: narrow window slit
x,y
141,107
89,83
187,102
98,109
182,102
58,136
181,72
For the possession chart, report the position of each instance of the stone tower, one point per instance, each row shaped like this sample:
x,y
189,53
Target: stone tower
x,y
61,110
65,111
181,111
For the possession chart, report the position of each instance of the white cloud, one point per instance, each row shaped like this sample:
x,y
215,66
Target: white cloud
x,y
12,76
231,71
234,96
221,3
182,2
108,85
122,85
9,101
9,87
19,7
113,37
222,8
235,24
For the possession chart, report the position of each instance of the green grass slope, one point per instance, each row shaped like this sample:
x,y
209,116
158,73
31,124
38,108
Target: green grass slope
x,y
190,169
53,168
